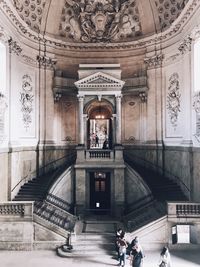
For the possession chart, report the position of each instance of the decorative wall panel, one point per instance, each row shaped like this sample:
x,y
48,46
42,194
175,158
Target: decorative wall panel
x,y
196,106
3,107
173,106
130,119
68,123
27,105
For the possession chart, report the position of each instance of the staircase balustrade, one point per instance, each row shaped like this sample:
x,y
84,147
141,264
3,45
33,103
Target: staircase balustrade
x,y
55,215
99,154
184,209
58,202
16,210
12,209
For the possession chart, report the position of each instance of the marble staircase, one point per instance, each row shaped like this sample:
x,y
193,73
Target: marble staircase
x,y
96,238
163,189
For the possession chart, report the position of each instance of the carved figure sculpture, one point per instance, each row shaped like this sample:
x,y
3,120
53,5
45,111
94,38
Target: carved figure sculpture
x,y
99,20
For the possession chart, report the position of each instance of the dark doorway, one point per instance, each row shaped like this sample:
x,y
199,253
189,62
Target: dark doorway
x,y
100,192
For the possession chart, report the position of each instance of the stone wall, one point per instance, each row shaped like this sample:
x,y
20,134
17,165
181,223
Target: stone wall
x,y
136,191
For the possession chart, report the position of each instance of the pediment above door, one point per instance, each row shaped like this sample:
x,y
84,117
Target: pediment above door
x,y
99,82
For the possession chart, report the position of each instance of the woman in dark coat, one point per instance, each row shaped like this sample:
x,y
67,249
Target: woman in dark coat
x,y
137,254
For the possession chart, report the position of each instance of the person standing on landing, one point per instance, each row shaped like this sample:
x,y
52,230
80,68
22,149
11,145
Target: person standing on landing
x,y
122,244
136,254
165,259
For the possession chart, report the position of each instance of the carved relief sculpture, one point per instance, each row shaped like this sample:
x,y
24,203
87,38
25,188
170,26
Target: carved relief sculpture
x,y
99,20
3,106
196,102
27,99
196,106
173,99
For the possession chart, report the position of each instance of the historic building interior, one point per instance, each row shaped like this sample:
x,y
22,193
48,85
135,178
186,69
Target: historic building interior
x,y
99,122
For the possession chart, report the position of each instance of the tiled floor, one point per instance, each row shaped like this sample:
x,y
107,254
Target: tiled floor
x,y
50,259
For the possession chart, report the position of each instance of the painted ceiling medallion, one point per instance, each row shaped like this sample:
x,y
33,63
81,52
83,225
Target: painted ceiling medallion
x,y
100,20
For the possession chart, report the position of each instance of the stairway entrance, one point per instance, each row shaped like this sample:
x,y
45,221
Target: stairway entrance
x,y
100,192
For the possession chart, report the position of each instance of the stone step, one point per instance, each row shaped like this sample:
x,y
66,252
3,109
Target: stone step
x,y
84,253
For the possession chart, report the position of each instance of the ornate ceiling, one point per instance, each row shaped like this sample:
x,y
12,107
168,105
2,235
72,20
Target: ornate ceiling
x,y
99,21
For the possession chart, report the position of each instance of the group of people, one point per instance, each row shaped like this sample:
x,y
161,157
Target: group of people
x,y
135,252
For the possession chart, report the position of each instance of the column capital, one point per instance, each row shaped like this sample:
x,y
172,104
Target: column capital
x,y
154,61
118,96
57,96
80,97
143,97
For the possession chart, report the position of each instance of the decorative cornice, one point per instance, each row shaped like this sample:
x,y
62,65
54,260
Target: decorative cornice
x,y
46,62
185,45
173,57
190,8
28,59
154,62
14,47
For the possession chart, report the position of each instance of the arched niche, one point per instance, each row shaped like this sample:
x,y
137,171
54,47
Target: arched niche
x,y
99,124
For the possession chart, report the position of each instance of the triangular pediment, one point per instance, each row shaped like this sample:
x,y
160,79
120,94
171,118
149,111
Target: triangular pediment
x,y
99,81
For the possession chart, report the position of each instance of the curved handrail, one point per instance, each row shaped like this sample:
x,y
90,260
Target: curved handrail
x,y
158,167
72,155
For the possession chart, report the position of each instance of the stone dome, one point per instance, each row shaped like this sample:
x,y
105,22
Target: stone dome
x,y
99,21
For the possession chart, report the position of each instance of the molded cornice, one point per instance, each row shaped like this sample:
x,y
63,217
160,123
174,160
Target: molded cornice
x,y
176,28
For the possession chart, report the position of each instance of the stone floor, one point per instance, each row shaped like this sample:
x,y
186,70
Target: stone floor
x,y
50,259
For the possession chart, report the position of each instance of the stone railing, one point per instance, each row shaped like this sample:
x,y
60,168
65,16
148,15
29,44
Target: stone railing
x,y
183,212
55,215
58,202
16,209
99,154
184,209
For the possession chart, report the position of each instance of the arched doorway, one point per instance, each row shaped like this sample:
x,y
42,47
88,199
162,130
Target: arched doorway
x,y
99,126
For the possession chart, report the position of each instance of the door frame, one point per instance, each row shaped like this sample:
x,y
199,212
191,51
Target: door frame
x,y
110,171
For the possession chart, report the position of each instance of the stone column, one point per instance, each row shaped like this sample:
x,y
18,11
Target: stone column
x,y
81,121
118,119
185,49
154,108
143,103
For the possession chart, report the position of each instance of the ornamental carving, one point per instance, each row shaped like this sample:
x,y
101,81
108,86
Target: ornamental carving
x,y
3,106
46,62
173,99
154,62
27,100
3,36
196,102
185,45
100,20
14,47
176,27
